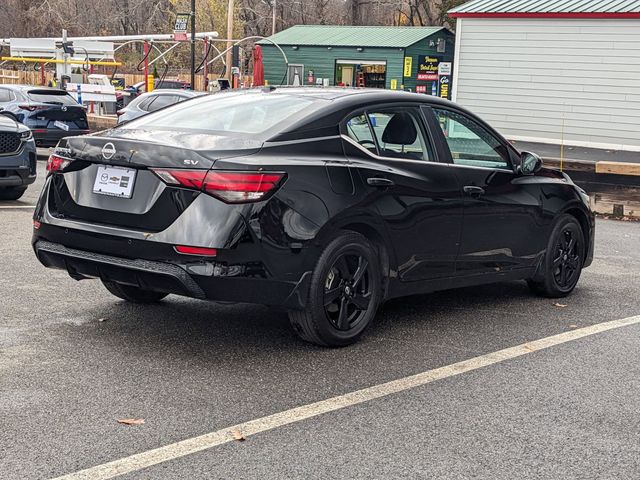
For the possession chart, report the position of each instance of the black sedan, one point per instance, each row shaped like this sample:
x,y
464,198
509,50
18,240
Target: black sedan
x,y
324,201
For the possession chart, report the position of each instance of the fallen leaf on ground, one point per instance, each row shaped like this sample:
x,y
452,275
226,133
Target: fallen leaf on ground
x,y
560,305
237,435
101,319
131,421
573,326
531,349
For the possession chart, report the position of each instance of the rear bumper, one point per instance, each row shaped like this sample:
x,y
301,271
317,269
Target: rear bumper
x,y
141,273
197,279
51,136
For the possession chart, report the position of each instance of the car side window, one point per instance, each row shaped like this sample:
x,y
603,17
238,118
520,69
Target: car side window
x,y
470,143
144,105
398,134
162,101
358,129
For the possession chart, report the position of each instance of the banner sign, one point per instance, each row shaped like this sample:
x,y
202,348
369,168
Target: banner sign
x,y
180,27
444,80
408,65
428,67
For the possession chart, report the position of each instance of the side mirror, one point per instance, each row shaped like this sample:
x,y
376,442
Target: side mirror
x,y
529,163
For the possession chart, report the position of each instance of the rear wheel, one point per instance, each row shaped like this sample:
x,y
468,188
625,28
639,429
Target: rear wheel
x,y
344,293
133,294
12,193
563,260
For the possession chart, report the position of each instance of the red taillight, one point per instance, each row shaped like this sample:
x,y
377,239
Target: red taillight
x,y
184,178
31,108
56,163
36,224
231,187
204,252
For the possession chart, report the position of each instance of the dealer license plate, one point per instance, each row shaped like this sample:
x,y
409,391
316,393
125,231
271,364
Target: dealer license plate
x,y
114,181
61,125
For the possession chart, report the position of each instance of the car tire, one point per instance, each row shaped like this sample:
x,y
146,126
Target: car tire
x,y
563,261
133,294
344,293
12,193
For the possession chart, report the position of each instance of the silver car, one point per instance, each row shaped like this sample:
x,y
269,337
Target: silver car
x,y
17,158
152,101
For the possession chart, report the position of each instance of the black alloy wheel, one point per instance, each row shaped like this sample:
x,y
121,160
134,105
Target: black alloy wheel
x,y
566,259
344,294
348,290
563,260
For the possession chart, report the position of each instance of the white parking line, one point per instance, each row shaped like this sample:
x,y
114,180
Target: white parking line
x,y
252,427
11,207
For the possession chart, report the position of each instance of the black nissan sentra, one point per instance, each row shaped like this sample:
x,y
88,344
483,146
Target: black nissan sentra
x,y
324,201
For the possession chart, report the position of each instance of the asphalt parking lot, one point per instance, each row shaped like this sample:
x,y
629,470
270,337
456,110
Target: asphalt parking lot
x,y
74,360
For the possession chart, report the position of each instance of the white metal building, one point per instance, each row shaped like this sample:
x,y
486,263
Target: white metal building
x,y
552,70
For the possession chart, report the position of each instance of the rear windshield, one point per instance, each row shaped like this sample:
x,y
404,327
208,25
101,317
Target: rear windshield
x,y
53,97
245,113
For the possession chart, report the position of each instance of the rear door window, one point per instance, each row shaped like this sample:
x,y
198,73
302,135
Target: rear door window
x,y
162,101
358,130
398,134
144,104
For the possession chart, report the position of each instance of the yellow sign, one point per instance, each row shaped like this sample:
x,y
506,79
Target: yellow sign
x,y
394,84
150,83
408,64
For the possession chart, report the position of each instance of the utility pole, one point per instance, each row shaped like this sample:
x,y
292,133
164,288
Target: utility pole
x,y
229,59
193,44
273,20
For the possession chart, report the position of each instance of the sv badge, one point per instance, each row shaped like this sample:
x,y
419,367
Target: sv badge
x,y
190,162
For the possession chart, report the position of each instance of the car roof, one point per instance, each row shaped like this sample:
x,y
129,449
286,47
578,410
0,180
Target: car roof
x,y
174,91
349,94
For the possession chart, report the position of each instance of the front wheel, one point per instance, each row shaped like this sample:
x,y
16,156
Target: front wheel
x,y
133,294
563,260
344,293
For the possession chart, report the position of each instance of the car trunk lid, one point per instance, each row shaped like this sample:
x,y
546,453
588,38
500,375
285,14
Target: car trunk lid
x,y
145,202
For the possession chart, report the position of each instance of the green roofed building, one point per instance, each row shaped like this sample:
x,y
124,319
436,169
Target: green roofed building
x,y
410,58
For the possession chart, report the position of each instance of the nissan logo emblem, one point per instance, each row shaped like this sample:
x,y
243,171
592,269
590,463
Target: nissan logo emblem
x,y
108,151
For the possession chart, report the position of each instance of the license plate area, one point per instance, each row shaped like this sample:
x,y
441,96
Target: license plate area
x,y
114,181
61,125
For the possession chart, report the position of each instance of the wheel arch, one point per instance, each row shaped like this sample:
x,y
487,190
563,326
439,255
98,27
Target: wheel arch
x,y
585,225
374,233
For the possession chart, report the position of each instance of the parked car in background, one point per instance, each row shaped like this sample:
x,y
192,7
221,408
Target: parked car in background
x,y
152,101
324,201
50,113
158,84
17,159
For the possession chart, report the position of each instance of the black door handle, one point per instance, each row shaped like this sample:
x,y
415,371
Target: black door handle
x,y
473,190
380,182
